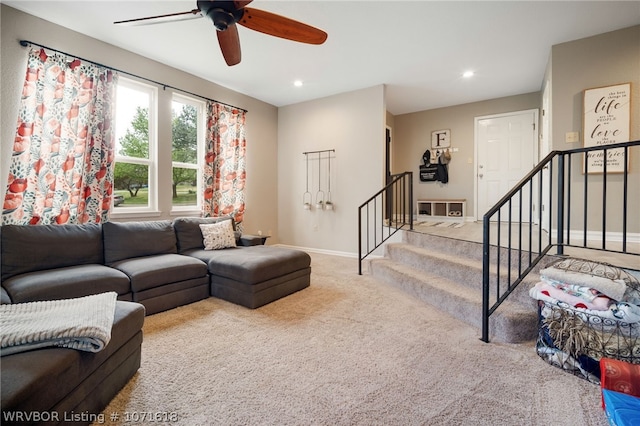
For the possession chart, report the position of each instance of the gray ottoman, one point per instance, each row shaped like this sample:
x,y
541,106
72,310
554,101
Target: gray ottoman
x,y
250,276
256,275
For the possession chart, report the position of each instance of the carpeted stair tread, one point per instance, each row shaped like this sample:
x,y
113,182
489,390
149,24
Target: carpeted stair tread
x,y
469,249
418,257
430,252
457,268
511,323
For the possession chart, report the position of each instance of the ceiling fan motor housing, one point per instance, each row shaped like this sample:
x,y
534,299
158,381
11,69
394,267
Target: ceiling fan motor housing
x,y
226,14
222,13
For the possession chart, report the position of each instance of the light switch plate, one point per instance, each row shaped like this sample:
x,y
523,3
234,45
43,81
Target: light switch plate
x,y
571,137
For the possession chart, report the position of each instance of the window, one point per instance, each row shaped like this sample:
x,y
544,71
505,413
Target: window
x,y
135,171
187,135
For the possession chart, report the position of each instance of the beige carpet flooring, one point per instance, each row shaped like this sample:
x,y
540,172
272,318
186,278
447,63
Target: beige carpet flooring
x,y
346,351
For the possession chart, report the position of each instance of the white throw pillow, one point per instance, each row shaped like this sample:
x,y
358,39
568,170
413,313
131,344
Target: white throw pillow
x,y
218,235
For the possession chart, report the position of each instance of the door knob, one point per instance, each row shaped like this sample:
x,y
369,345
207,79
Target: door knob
x,y
480,175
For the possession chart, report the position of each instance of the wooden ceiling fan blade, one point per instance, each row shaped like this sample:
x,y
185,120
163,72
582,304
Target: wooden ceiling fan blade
x,y
160,19
280,26
229,42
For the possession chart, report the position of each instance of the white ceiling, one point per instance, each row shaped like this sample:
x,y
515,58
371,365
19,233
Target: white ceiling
x,y
418,49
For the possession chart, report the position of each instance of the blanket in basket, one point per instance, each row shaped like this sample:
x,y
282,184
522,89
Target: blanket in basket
x,y
83,323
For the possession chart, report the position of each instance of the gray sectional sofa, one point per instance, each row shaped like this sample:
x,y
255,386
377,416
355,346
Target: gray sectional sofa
x,y
152,266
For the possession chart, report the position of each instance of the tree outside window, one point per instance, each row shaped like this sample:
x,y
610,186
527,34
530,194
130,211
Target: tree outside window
x,y
135,144
186,134
132,177
134,180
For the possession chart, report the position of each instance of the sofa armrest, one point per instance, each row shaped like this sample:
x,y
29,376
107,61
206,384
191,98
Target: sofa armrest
x,y
5,298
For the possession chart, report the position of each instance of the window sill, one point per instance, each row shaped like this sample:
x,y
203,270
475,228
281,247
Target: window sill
x,y
191,212
135,214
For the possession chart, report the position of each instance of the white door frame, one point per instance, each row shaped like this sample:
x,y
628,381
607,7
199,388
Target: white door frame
x,y
478,215
545,149
390,130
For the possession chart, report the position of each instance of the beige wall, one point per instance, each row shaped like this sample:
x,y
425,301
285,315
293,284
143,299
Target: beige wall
x,y
602,60
412,137
353,124
262,118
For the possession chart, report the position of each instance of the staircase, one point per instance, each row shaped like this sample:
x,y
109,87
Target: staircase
x,y
486,285
447,273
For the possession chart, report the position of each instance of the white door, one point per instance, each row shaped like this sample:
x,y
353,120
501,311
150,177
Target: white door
x,y
505,153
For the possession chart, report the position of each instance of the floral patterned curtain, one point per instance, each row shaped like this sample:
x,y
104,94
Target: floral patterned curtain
x,y
224,166
63,154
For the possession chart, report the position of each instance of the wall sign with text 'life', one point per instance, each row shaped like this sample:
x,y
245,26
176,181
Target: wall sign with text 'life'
x,y
606,121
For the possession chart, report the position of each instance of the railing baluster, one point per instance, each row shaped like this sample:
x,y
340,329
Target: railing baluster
x,y
540,176
625,185
520,232
586,199
530,218
359,240
485,275
368,228
498,255
509,248
550,212
410,202
604,199
568,202
560,219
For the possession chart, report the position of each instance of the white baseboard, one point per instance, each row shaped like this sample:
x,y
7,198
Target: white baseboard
x,y
377,253
320,251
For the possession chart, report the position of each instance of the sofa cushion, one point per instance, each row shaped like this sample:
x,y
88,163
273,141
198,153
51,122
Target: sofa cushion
x,y
154,271
40,247
66,283
254,264
188,231
136,239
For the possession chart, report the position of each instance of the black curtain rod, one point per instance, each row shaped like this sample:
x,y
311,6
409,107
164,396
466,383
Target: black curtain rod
x,y
26,43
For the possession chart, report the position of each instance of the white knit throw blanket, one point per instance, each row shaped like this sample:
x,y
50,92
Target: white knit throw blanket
x,y
83,323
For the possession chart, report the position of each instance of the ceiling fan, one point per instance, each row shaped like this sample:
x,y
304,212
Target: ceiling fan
x,y
226,14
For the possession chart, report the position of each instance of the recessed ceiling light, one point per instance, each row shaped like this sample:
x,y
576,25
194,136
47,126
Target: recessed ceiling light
x,y
297,83
468,74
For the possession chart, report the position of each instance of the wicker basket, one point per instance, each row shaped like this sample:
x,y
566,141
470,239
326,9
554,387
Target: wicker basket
x,y
575,341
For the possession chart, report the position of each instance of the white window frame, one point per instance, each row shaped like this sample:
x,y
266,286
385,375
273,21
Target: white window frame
x,y
151,162
200,108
